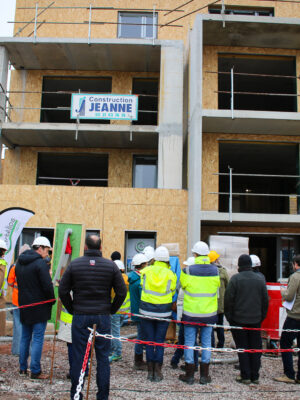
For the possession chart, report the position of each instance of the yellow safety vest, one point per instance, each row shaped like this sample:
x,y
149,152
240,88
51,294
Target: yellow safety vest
x,y
200,292
158,287
125,307
65,316
2,289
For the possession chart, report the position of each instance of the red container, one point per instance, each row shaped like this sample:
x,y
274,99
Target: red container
x,y
276,313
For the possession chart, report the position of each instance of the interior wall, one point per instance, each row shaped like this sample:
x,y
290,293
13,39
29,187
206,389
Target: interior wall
x,y
210,161
21,164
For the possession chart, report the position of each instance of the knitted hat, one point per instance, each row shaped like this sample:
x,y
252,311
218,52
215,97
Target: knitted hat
x,y
244,261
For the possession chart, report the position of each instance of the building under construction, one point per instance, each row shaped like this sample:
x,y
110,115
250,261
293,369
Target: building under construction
x,y
214,149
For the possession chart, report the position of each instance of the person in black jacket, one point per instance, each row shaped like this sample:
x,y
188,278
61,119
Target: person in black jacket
x,y
246,304
91,279
35,285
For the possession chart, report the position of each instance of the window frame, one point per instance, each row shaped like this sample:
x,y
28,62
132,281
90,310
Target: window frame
x,y
149,156
143,25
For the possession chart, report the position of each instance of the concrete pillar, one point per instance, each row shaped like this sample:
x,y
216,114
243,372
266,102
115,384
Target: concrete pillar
x,y
170,116
3,79
195,134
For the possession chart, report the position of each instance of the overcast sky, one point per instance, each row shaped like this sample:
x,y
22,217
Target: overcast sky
x,y
7,13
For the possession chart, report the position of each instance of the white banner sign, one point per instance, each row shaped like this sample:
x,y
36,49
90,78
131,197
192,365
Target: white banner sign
x,y
104,106
12,222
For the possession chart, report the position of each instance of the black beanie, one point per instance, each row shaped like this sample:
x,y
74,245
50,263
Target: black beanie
x,y
115,256
244,261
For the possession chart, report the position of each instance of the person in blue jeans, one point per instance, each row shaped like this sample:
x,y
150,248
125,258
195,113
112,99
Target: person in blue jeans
x,y
139,261
35,285
91,278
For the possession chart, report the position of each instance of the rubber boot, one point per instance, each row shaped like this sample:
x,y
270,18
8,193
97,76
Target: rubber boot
x,y
158,376
150,367
204,374
139,364
183,367
189,374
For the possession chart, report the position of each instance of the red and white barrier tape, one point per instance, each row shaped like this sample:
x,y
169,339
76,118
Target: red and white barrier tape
x,y
28,305
199,348
83,368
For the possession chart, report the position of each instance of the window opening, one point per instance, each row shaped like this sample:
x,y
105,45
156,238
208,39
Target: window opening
x,y
135,242
144,172
70,169
137,25
260,82
233,10
57,93
264,159
147,89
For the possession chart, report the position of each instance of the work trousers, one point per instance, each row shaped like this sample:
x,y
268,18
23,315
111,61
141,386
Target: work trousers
x,y
80,334
220,333
190,336
286,342
17,331
154,331
116,323
179,352
248,339
138,347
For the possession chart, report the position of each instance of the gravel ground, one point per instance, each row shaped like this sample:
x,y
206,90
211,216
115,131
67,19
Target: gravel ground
x,y
129,384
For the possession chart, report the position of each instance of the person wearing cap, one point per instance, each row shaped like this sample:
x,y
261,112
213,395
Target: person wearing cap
x,y
256,266
158,286
3,276
246,305
139,261
224,279
200,283
117,319
34,285
91,278
17,326
178,354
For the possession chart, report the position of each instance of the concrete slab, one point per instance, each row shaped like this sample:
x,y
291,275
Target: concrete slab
x,y
89,135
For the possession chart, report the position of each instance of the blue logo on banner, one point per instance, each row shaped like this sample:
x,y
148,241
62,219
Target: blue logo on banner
x,y
81,110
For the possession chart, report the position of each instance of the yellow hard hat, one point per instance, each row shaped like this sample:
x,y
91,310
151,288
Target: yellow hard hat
x,y
213,256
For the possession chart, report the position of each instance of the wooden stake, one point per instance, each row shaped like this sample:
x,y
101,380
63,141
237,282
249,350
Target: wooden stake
x,y
90,370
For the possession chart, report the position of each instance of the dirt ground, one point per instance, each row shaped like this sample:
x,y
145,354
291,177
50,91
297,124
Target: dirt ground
x,y
128,384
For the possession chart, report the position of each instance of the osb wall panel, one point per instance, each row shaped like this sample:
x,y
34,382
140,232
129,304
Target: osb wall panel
x,y
96,209
210,67
21,164
210,161
206,231
28,82
183,19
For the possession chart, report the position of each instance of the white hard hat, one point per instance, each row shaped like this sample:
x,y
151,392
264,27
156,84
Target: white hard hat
x,y
255,261
149,252
120,264
3,245
162,254
189,261
200,248
41,241
139,259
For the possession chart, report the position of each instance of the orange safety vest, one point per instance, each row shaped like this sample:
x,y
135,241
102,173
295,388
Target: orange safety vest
x,y
12,282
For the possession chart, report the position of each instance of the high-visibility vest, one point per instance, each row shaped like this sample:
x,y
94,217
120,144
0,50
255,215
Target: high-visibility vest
x,y
2,289
125,307
65,316
200,292
158,286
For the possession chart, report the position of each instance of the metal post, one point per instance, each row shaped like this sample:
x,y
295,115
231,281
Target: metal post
x,y
230,194
153,25
223,13
77,123
232,93
35,20
90,21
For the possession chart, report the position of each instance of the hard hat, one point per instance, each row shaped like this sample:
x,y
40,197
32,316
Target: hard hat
x,y
3,245
255,261
200,248
189,261
149,252
162,254
213,256
120,264
41,241
139,259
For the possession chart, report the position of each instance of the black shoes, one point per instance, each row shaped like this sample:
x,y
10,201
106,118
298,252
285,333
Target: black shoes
x,y
22,372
